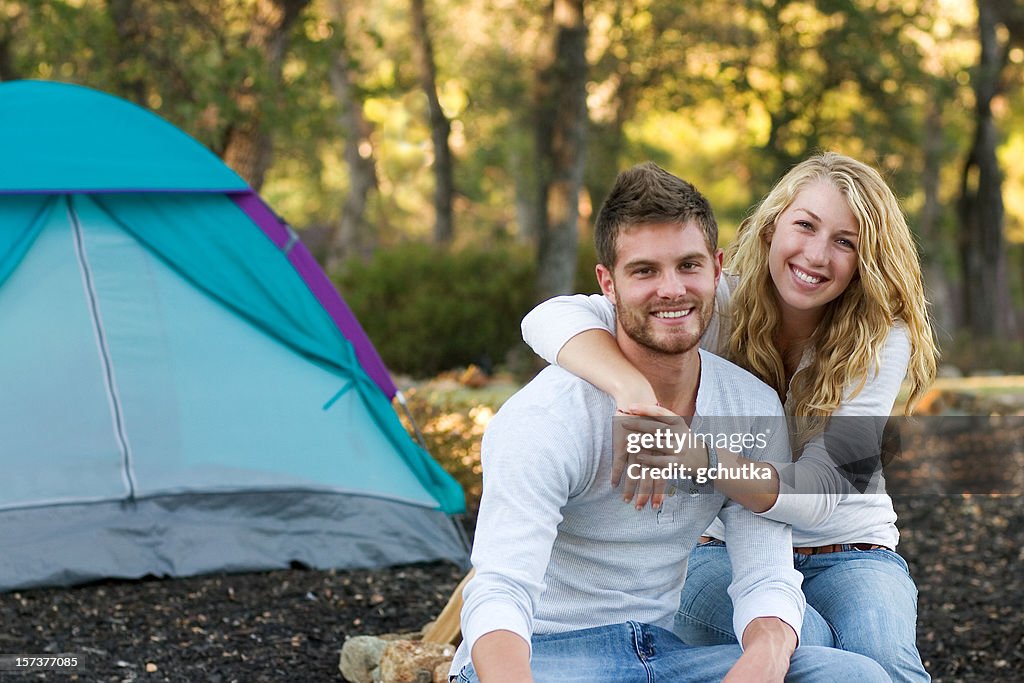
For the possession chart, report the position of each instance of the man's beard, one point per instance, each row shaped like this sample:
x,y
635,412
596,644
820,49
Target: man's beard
x,y
636,323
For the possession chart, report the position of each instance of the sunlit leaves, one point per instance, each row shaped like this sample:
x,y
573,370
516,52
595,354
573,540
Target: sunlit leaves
x,y
725,92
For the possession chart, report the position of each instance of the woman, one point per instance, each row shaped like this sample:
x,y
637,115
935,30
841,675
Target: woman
x,y
823,301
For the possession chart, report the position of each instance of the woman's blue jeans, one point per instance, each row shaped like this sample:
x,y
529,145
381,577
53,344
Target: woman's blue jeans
x,y
861,601
640,653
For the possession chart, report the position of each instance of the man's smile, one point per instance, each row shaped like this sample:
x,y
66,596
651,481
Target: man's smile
x,y
672,315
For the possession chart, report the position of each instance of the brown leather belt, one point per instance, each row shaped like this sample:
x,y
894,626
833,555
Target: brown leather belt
x,y
838,548
821,549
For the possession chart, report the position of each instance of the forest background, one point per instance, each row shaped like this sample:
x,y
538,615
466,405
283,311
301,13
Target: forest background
x,y
444,158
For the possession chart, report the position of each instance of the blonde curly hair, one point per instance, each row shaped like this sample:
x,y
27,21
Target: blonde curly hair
x,y
848,340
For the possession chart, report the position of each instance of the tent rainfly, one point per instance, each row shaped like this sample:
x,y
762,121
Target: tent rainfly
x,y
182,390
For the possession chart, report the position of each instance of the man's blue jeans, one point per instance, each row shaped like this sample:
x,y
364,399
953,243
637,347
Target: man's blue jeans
x,y
861,601
639,653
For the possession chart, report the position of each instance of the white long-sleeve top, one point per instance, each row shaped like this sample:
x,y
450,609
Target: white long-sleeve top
x,y
556,548
837,515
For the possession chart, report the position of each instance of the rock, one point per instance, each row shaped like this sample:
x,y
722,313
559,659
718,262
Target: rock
x,y
360,655
931,403
407,661
473,377
441,672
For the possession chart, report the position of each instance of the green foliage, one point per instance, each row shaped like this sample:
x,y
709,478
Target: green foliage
x,y
427,309
727,94
973,356
586,279
192,63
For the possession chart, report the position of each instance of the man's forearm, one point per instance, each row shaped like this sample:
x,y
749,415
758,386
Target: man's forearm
x,y
768,644
771,633
502,657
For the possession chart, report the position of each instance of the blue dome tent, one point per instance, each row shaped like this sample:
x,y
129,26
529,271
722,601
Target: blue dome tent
x,y
183,389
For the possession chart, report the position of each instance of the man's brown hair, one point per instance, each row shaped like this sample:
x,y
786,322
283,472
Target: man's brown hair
x,y
645,195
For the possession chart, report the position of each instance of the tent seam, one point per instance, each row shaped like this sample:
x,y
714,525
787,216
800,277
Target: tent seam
x,y
110,382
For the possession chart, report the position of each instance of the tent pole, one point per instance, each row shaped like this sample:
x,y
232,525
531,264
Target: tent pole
x,y
456,520
459,521
405,408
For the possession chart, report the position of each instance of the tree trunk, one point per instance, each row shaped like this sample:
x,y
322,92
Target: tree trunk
x,y
982,245
561,132
7,70
8,29
945,306
354,234
440,127
129,24
524,173
248,148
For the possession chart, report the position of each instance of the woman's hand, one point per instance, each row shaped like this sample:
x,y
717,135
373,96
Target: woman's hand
x,y
647,439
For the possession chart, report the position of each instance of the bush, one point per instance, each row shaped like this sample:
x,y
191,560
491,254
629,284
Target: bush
x,y
973,356
428,309
586,280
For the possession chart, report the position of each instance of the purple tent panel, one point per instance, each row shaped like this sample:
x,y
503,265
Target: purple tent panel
x,y
323,289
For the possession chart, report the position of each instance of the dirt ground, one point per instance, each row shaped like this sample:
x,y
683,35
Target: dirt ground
x,y
966,553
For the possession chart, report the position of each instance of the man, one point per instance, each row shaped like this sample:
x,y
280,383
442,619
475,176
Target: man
x,y
572,584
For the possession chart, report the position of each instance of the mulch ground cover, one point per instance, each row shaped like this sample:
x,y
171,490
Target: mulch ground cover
x,y
966,553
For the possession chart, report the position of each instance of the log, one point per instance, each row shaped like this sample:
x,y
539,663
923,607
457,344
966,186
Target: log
x,y
446,629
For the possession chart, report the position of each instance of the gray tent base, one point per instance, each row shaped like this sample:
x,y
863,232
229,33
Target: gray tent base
x,y
190,534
